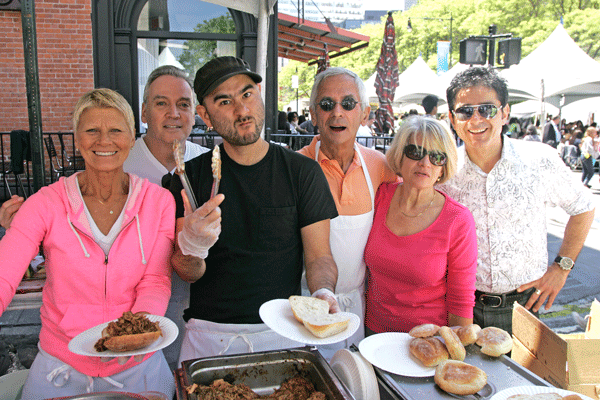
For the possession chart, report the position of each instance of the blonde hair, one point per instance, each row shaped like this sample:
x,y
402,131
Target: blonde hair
x,y
104,98
434,135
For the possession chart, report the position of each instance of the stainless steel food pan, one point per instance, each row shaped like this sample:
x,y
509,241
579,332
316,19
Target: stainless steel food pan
x,y
264,372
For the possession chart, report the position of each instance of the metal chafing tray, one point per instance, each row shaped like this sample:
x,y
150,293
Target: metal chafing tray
x,y
502,373
263,372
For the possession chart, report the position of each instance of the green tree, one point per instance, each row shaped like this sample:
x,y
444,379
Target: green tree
x,y
199,52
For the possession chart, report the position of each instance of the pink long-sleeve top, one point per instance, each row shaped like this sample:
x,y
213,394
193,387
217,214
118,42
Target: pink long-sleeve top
x,y
85,288
420,278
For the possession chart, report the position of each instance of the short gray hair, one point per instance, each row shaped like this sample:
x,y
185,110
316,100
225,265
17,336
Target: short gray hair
x,y
334,71
436,136
167,70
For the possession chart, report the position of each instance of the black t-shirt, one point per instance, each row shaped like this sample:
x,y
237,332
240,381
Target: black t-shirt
x,y
258,256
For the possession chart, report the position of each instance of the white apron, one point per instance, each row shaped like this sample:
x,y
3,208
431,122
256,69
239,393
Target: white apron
x,y
49,377
207,339
348,238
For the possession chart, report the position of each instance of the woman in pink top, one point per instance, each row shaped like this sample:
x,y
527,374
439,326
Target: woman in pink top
x,y
422,250
107,238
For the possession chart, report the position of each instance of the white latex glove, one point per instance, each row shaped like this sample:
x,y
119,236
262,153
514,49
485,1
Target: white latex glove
x,y
193,244
201,228
328,296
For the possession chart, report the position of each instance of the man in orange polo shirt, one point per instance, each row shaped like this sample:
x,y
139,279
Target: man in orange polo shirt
x,y
338,107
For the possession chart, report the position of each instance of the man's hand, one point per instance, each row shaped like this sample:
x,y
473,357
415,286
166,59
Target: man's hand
x,y
547,287
201,228
328,296
8,210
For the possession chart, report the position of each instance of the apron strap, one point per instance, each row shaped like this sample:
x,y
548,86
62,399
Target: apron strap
x,y
233,338
345,300
59,377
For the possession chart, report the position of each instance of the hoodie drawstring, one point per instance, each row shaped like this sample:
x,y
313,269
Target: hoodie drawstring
x,y
137,220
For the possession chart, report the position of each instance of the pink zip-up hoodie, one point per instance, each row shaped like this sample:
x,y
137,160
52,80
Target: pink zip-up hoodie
x,y
84,287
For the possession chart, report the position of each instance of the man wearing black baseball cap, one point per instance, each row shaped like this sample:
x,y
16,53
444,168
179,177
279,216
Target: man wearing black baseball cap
x,y
246,245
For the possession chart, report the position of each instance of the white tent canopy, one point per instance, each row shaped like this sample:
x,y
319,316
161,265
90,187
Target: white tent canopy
x,y
418,81
561,67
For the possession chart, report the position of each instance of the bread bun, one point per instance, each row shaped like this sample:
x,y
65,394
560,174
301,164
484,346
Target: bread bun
x,y
460,378
424,330
131,342
572,397
305,307
494,341
467,334
326,325
453,344
313,313
430,351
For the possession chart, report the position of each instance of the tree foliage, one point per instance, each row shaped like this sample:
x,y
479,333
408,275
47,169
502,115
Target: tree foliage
x,y
532,20
199,52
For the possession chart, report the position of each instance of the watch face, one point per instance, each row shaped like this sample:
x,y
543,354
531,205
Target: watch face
x,y
566,263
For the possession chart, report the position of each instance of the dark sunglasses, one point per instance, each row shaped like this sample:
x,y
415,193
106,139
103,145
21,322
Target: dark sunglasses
x,y
327,104
465,113
417,153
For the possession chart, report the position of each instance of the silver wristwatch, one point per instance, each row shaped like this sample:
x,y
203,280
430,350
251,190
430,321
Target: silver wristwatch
x,y
565,263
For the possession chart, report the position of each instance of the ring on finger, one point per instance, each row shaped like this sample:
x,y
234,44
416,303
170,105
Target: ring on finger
x,y
538,292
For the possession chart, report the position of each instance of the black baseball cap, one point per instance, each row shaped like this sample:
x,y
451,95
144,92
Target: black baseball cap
x,y
217,71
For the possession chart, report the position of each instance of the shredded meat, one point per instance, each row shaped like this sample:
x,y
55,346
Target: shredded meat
x,y
127,324
296,388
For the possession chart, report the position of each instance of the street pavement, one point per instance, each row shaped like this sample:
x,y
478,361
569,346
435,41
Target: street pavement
x,y
20,329
583,283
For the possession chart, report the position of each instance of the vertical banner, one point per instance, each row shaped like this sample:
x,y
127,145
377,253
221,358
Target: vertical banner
x,y
443,53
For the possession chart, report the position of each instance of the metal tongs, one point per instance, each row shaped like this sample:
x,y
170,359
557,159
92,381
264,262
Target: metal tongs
x,y
216,171
178,152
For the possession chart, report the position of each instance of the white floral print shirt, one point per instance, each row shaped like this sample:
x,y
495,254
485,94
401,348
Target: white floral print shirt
x,y
509,207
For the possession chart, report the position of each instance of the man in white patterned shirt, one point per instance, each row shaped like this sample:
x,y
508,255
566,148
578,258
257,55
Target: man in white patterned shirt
x,y
507,185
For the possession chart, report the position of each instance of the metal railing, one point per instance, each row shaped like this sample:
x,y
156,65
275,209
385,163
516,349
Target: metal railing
x,y
64,162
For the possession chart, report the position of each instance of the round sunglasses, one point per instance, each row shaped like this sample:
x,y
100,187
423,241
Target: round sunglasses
x,y
328,104
417,153
465,113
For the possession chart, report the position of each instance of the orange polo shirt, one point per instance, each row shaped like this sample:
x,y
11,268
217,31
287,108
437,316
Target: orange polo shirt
x,y
350,190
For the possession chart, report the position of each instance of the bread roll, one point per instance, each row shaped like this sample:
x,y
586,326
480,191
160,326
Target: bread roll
x,y
313,313
572,397
131,342
304,307
494,341
467,334
460,378
430,351
326,325
424,330
453,344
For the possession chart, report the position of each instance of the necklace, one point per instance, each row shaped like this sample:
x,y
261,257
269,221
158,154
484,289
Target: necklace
x,y
421,213
103,203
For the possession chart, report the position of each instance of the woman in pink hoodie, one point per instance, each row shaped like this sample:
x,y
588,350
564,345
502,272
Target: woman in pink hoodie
x,y
107,238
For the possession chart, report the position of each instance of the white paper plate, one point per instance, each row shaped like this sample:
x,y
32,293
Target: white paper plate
x,y
347,369
530,390
83,343
389,351
356,373
277,315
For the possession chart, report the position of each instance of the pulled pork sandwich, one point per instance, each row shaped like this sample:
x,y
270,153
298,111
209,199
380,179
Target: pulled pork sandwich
x,y
129,332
